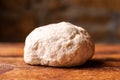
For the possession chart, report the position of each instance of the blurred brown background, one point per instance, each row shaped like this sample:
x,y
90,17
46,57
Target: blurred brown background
x,y
101,18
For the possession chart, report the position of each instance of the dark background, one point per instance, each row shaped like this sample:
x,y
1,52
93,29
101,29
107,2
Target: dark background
x,y
101,18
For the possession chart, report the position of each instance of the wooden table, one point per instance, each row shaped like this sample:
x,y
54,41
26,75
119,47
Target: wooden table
x,y
105,65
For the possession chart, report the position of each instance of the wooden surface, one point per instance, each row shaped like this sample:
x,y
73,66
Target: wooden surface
x,y
105,65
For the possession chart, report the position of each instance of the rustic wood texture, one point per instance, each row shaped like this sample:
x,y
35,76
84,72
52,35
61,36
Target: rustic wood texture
x,y
105,65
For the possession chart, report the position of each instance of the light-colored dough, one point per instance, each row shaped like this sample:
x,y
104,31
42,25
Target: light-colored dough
x,y
62,45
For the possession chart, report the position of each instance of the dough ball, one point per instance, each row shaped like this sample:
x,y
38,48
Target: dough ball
x,y
61,45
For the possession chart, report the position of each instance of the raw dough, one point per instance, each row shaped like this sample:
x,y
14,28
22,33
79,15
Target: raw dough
x,y
62,45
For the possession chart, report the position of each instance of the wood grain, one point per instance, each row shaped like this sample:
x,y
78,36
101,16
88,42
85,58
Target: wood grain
x,y
105,65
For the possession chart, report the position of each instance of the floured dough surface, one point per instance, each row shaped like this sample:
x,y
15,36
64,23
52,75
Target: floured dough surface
x,y
62,45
